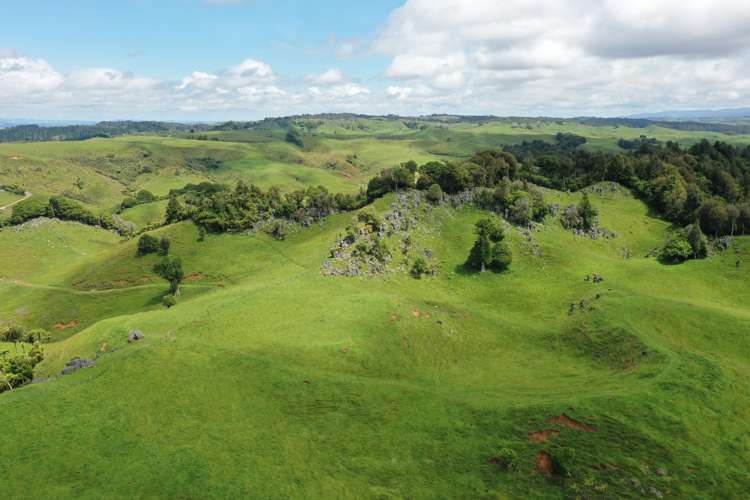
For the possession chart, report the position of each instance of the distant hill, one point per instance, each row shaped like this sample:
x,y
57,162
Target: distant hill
x,y
696,114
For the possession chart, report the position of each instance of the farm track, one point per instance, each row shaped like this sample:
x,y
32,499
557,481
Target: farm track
x,y
5,281
26,196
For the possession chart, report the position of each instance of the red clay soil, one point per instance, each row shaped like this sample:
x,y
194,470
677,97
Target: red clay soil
x,y
194,276
63,326
565,421
544,464
543,435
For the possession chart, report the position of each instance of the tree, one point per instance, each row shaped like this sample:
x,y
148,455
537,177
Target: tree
x,y
175,211
698,241
676,249
164,246
170,268
501,257
147,244
482,255
587,212
435,193
419,267
713,216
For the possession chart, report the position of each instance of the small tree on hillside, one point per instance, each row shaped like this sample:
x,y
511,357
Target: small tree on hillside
x,y
484,254
147,244
175,211
164,246
698,241
435,193
587,212
170,268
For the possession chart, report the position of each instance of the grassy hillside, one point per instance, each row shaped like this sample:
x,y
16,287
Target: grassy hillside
x,y
271,380
338,154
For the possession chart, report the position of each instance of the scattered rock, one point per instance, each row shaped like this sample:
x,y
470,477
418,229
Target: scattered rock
x,y
135,336
76,364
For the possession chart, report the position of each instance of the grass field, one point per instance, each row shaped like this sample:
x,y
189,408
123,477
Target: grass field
x,y
287,383
270,380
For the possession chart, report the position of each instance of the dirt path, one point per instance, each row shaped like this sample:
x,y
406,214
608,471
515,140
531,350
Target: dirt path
x,y
15,282
26,196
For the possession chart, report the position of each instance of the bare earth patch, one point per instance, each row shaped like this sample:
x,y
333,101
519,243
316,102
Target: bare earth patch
x,y
543,435
571,423
65,326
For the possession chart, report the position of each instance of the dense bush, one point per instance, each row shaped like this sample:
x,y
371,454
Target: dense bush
x,y
584,216
676,249
419,267
29,209
148,244
170,268
67,209
19,369
489,250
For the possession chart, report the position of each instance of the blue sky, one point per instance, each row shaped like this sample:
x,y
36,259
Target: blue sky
x,y
235,59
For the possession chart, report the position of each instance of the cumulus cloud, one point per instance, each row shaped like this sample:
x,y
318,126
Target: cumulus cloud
x,y
539,57
20,76
595,56
329,77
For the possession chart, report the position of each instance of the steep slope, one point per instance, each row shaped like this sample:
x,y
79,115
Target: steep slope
x,y
286,382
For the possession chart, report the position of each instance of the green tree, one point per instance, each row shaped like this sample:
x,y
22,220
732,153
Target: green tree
x,y
170,268
698,241
435,193
587,212
501,257
488,231
147,244
419,267
164,246
175,211
676,249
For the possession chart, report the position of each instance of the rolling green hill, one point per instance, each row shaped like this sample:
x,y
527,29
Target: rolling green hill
x,y
272,379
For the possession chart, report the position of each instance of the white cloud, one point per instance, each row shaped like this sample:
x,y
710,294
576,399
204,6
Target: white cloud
x,y
21,76
594,56
198,80
329,77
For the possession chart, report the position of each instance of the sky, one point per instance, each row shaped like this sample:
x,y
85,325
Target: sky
x,y
213,60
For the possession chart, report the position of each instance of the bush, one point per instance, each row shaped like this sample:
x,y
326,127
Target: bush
x,y
29,209
501,257
505,458
676,249
148,244
164,246
419,267
67,209
168,301
698,241
434,193
170,268
12,332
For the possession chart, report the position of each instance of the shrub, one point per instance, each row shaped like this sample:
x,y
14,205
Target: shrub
x,y
501,257
676,249
148,244
505,458
164,246
170,268
29,209
419,267
698,241
12,332
67,209
168,301
434,193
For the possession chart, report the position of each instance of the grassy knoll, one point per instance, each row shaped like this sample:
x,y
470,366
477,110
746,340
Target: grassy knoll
x,y
285,383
